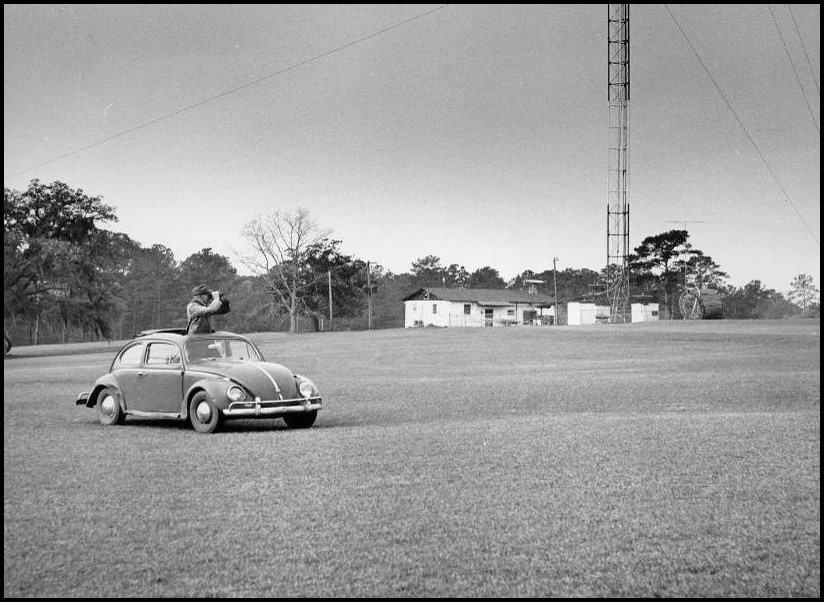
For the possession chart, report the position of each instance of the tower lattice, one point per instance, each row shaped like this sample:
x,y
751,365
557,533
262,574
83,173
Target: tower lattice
x,y
617,288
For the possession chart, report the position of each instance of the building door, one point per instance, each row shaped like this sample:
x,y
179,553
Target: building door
x,y
487,317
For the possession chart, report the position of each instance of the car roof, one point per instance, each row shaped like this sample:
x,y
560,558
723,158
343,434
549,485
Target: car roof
x,y
178,335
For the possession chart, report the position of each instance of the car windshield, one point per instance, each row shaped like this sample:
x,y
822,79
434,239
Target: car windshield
x,y
201,350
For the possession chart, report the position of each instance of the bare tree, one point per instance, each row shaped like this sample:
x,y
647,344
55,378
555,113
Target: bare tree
x,y
281,245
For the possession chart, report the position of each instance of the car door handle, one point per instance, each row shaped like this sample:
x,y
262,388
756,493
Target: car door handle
x,y
142,374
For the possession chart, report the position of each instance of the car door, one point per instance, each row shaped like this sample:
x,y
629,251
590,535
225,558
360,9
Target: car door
x,y
127,369
159,386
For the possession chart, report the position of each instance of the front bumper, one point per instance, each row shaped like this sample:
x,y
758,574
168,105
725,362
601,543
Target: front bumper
x,y
257,408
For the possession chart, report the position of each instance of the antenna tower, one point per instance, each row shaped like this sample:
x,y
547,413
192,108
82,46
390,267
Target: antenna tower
x,y
617,288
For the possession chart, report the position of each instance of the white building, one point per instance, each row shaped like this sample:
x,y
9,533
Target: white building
x,y
644,312
583,314
580,314
477,307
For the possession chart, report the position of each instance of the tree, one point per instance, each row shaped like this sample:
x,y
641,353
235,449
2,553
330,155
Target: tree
x,y
387,302
152,289
50,242
753,301
428,271
655,260
206,267
804,294
282,244
455,276
346,275
572,283
701,271
485,277
519,282
98,293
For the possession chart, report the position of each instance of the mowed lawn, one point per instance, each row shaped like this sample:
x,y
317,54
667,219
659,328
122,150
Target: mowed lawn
x,y
667,459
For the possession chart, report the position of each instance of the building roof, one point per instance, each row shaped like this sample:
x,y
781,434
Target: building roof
x,y
481,296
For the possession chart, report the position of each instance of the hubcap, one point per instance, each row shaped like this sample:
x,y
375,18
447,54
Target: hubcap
x,y
204,412
107,405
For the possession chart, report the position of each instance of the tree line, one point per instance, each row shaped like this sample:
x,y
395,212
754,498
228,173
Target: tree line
x,y
68,278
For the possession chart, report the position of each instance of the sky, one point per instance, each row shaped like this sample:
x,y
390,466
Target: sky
x,y
473,132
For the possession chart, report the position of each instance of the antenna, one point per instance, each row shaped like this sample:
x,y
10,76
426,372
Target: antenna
x,y
617,286
686,221
532,285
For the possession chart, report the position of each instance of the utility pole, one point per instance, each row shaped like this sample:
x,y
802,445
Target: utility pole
x,y
369,293
555,287
330,299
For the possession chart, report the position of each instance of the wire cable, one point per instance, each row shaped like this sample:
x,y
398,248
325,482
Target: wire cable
x,y
743,127
804,47
227,92
797,77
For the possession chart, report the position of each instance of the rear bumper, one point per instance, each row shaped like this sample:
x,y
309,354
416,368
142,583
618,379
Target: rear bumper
x,y
258,408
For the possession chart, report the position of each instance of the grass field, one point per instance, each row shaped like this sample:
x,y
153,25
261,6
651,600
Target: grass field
x,y
664,459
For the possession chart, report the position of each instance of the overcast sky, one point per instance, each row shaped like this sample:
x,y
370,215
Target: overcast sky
x,y
477,133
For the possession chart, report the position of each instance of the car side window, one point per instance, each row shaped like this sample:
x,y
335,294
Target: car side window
x,y
242,350
131,357
163,354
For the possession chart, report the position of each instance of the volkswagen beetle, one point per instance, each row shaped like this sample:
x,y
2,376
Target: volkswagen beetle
x,y
203,378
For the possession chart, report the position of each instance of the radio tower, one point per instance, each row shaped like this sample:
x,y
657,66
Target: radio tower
x,y
618,206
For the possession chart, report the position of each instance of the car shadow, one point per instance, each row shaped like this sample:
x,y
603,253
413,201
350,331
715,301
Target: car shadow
x,y
230,426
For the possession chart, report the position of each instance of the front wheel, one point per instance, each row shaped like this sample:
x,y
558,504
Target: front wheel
x,y
109,411
204,414
300,421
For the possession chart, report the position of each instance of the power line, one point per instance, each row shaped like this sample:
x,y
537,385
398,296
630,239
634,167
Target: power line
x,y
792,62
226,93
804,47
743,127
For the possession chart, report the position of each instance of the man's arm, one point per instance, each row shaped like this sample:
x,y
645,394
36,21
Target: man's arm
x,y
197,310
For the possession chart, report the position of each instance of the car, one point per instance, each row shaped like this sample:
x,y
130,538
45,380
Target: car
x,y
203,378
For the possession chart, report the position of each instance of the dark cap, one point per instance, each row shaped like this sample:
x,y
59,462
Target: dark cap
x,y
200,289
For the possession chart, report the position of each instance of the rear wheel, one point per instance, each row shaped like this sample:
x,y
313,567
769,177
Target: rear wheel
x,y
109,411
204,414
300,421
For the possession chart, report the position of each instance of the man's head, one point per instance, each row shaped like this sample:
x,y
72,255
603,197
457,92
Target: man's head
x,y
201,291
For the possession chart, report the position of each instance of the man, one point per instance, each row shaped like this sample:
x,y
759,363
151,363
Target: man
x,y
201,308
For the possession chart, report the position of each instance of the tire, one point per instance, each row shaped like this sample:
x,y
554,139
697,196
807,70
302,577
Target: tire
x,y
204,414
300,421
109,411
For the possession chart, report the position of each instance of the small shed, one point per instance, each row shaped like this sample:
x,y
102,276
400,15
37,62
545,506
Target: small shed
x,y
644,312
580,314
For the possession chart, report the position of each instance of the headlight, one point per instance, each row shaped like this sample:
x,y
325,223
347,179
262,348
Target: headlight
x,y
308,389
236,393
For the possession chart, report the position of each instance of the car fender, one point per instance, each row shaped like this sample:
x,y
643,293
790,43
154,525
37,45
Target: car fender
x,y
215,387
107,381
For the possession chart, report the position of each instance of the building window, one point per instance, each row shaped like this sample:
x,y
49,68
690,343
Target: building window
x,y
510,312
467,309
434,308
